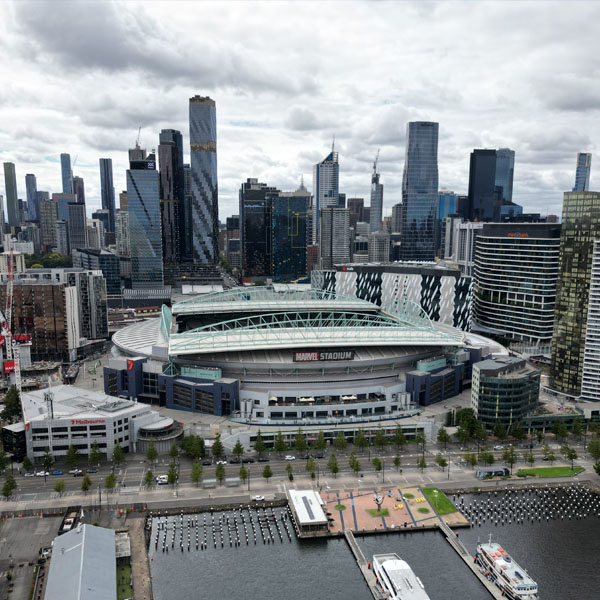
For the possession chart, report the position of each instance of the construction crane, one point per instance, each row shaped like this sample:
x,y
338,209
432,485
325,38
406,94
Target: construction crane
x,y
376,161
12,362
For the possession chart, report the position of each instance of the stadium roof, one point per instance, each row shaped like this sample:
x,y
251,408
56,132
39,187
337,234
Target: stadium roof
x,y
83,565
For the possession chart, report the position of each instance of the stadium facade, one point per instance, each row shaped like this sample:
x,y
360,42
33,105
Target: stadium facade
x,y
312,356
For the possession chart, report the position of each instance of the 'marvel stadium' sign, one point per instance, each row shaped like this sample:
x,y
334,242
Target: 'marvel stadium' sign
x,y
323,355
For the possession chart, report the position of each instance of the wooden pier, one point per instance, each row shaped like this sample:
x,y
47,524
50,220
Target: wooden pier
x,y
363,565
468,559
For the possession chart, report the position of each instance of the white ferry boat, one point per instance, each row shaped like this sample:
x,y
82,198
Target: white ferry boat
x,y
514,581
397,579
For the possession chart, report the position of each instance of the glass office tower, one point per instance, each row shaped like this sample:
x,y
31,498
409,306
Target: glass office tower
x,y
582,174
505,172
419,191
107,191
204,196
67,173
33,207
143,204
12,200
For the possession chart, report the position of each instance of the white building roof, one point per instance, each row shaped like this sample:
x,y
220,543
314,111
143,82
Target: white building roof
x,y
308,507
73,402
83,565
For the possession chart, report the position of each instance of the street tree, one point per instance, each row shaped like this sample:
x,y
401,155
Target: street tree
x,y
151,453
289,468
110,481
220,473
500,431
510,457
376,462
95,454
422,463
560,431
279,445
593,448
380,440
47,459
118,454
397,461
572,456
578,428
440,461
259,444
267,472
355,466
340,442
360,441
174,451
311,465
332,465
148,479
86,484
3,461
487,458
300,444
465,417
463,435
60,486
172,473
193,446
10,485
238,449
518,431
530,458
320,443
399,439
243,473
72,456
443,437
27,464
597,468
217,447
12,406
551,457
470,459
540,436
196,474
421,440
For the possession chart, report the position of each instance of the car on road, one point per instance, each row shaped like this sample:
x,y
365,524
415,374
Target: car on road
x,y
264,459
73,471
289,457
545,458
57,472
221,462
42,473
207,463
258,499
235,461
162,480
320,455
91,470
247,460
498,447
29,474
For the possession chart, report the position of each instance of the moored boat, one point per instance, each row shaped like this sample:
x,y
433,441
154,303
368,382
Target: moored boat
x,y
397,579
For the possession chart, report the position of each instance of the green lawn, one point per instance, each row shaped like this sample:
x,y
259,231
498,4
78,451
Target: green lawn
x,y
378,513
550,472
124,589
340,507
409,496
423,510
439,501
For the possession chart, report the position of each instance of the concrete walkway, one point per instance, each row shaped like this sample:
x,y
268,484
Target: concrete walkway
x,y
140,571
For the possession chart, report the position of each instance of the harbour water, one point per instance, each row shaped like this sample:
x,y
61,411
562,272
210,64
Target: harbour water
x,y
560,554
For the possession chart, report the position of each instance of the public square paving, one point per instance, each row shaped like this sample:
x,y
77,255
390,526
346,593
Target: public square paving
x,y
406,507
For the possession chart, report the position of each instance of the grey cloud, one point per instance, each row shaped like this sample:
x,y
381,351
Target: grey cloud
x,y
301,118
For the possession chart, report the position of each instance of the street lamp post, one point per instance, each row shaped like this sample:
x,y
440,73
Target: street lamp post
x,y
383,470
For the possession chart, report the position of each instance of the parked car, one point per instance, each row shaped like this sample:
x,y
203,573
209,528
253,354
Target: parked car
x,y
79,473
162,480
247,460
92,470
29,474
42,473
498,447
221,462
289,457
57,472
263,459
235,461
320,455
258,499
545,458
75,471
207,462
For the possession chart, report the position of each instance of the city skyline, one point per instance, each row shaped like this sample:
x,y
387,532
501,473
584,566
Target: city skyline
x,y
277,115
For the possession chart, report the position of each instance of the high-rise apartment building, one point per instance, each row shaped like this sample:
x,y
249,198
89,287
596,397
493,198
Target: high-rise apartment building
x,y
447,202
356,207
483,194
122,232
334,236
289,235
33,209
582,173
204,192
12,199
580,230
256,212
62,202
379,247
107,191
376,214
48,218
100,260
397,218
171,194
326,188
79,189
77,224
67,173
505,172
419,191
516,268
62,237
143,201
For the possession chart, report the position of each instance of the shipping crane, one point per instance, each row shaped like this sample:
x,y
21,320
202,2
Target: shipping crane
x,y
12,363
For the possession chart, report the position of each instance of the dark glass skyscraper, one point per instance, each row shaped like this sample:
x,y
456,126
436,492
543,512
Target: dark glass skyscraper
x,y
107,191
171,194
12,199
67,173
143,204
482,185
505,172
204,193
419,191
582,174
376,214
79,189
33,207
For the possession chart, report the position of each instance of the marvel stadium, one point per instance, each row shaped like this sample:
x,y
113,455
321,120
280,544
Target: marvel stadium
x,y
262,356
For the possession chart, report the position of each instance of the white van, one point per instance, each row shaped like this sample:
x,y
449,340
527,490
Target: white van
x,y
162,480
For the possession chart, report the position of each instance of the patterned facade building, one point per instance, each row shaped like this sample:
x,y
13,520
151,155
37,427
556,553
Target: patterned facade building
x,y
441,290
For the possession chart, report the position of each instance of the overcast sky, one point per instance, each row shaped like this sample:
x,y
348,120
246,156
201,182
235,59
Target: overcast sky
x,y
81,77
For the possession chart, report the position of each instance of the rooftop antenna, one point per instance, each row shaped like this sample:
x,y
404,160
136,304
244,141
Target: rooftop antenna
x,y
137,141
333,144
376,161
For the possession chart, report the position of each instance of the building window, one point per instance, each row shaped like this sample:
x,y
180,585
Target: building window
x,y
182,395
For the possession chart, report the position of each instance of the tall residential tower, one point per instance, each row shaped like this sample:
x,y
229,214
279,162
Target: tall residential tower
x,y
326,188
67,173
12,199
582,174
107,191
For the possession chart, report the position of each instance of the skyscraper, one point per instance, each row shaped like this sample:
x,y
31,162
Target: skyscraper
x,y
505,172
67,173
62,201
171,192
33,207
204,193
572,339
483,194
326,184
77,225
419,191
143,202
12,199
356,207
107,191
48,218
256,205
446,206
376,214
79,189
582,174
334,237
